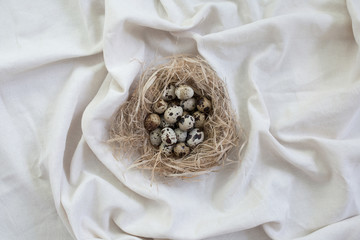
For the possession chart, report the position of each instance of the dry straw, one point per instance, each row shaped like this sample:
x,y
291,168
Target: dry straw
x,y
129,138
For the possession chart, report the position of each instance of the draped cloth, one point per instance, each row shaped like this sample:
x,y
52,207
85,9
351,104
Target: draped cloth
x,y
292,69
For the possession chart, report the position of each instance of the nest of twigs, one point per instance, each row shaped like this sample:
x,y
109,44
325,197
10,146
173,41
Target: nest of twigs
x,y
129,138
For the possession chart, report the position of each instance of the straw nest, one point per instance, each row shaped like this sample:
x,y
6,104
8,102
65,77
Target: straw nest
x,y
129,138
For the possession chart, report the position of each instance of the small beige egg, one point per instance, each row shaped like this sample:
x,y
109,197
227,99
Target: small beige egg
x,y
180,135
184,92
152,121
160,106
173,114
186,122
200,119
189,104
169,93
181,150
166,149
195,137
155,137
168,136
204,105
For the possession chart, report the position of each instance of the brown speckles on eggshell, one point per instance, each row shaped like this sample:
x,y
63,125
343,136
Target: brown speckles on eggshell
x,y
181,150
184,92
160,106
172,114
168,136
169,93
152,121
195,137
204,105
186,122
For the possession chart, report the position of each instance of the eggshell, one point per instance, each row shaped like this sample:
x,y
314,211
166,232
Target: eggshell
x,y
152,121
195,137
166,149
180,135
173,114
189,104
168,136
184,92
160,106
181,150
186,122
169,93
204,105
155,137
200,119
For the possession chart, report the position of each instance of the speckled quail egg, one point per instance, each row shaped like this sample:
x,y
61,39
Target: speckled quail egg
x,y
180,135
199,119
173,114
155,137
189,104
160,106
186,122
152,121
204,105
181,150
166,149
164,124
168,136
195,137
169,93
184,92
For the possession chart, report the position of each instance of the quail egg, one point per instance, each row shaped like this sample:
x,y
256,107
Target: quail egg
x,y
184,92
169,93
160,106
181,150
199,119
195,137
186,122
180,135
155,137
189,104
152,121
204,105
173,114
166,149
168,136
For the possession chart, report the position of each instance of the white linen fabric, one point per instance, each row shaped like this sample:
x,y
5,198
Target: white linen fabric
x,y
292,69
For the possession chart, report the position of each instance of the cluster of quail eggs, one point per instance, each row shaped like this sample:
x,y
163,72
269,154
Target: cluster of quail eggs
x,y
177,121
